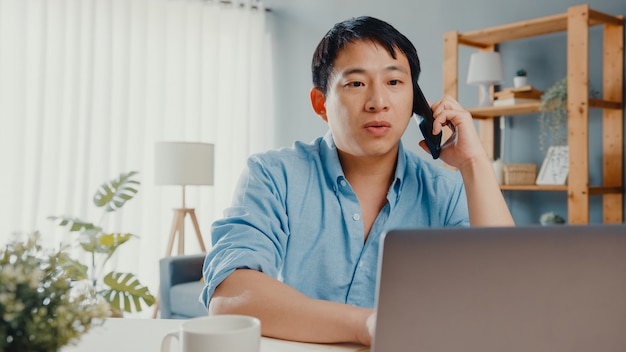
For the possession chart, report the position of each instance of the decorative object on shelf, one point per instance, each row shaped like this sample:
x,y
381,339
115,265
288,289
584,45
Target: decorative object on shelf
x,y
498,168
498,163
555,166
123,291
520,174
517,95
551,218
39,310
520,79
485,69
553,116
183,164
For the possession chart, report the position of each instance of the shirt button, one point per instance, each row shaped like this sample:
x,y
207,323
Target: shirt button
x,y
343,183
360,264
356,217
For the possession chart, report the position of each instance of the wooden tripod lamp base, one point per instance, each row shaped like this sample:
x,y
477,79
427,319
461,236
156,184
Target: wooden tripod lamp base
x,y
182,164
178,230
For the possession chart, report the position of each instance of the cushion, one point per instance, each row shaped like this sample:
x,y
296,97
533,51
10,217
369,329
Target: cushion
x,y
185,299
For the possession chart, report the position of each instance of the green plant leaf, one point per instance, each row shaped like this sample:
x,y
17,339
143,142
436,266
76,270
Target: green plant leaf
x,y
73,224
123,291
553,118
108,243
73,268
88,240
115,193
126,292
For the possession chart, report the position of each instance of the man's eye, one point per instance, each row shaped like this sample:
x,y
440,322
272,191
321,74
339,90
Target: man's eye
x,y
356,84
394,82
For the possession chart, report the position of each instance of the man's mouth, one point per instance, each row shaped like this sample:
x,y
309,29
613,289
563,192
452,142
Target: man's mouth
x,y
377,124
377,128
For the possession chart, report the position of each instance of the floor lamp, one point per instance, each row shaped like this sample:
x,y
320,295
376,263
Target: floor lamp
x,y
183,164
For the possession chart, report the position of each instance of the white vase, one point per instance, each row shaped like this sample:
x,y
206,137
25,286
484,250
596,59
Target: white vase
x,y
498,168
520,81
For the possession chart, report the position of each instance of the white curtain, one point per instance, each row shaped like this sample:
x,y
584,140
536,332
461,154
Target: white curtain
x,y
88,86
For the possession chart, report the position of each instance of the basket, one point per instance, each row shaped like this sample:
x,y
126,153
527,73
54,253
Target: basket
x,y
520,174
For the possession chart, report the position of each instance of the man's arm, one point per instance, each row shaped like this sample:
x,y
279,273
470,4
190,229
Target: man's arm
x,y
485,202
287,314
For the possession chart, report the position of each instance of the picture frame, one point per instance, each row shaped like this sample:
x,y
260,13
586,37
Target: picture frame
x,y
555,166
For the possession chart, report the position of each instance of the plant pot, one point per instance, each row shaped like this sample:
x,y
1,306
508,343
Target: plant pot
x,y
520,81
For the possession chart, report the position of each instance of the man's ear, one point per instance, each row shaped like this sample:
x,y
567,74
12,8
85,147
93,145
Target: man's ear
x,y
318,102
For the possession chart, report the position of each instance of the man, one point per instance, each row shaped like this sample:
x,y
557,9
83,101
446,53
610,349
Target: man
x,y
299,246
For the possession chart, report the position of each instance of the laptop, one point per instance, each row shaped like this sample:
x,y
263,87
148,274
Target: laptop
x,y
530,289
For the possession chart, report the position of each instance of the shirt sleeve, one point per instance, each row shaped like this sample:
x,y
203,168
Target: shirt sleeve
x,y
252,234
457,210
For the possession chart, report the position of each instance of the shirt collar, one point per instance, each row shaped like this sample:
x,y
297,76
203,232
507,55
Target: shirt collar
x,y
330,160
396,187
334,173
400,167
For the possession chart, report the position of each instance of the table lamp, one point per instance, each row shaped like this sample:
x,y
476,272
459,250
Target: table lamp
x,y
485,69
183,164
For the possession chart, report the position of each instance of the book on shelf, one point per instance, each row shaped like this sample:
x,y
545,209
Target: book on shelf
x,y
523,88
526,88
514,101
526,92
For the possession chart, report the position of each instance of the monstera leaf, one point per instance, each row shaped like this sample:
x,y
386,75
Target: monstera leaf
x,y
115,193
126,292
122,291
105,243
73,224
109,242
73,268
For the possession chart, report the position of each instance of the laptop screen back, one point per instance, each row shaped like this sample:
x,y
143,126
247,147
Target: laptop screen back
x,y
560,288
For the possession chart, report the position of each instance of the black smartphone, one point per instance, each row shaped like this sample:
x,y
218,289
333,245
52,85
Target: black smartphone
x,y
421,108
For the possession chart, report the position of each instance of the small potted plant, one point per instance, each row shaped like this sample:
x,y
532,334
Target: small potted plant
x,y
520,78
39,308
553,115
551,218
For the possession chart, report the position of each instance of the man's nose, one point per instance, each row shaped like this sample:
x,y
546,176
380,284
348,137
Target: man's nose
x,y
377,99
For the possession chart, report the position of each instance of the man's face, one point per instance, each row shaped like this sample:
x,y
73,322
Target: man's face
x,y
369,100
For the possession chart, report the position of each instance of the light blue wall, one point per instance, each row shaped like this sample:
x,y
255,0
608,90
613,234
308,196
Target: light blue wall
x,y
298,25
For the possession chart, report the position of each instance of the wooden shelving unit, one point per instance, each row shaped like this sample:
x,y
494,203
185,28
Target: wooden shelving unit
x,y
576,22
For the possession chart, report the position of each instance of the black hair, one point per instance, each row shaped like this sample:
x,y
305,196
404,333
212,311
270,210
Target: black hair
x,y
360,29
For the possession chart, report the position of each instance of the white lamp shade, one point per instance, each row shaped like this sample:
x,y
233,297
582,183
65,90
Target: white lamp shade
x,y
485,67
183,163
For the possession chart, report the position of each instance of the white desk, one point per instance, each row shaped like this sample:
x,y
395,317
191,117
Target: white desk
x,y
126,335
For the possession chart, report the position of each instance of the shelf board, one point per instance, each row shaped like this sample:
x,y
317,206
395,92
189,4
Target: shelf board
x,y
489,112
513,31
593,190
532,188
599,190
487,37
604,104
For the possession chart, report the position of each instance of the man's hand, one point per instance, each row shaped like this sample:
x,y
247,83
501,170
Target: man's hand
x,y
485,202
467,148
371,327
288,314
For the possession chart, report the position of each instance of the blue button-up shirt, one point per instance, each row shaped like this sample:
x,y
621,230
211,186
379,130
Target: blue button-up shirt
x,y
296,218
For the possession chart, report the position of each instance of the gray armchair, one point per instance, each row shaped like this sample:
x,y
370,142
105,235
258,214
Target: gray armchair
x,y
181,286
